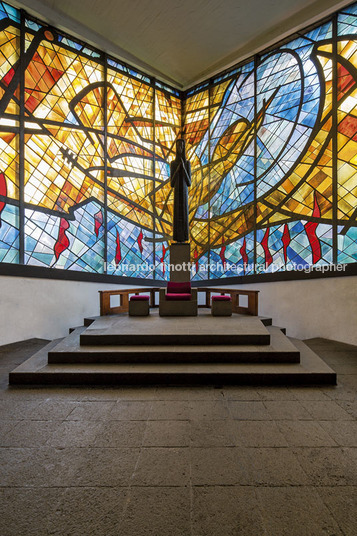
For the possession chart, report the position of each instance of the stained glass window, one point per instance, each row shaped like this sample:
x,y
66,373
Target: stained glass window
x,y
64,154
232,146
347,135
130,179
86,143
294,153
9,133
196,121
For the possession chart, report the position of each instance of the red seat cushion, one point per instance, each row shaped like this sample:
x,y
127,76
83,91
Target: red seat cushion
x,y
221,298
140,297
183,296
179,287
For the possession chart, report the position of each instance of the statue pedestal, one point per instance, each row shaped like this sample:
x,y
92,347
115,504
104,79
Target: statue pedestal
x,y
179,255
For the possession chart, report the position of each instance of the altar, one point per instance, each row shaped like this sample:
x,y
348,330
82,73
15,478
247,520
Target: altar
x,y
124,296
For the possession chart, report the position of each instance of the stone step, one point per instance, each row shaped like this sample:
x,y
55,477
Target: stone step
x,y
71,330
310,371
280,350
89,320
283,330
155,330
267,321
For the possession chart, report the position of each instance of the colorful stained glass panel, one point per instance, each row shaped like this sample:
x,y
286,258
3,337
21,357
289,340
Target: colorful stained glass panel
x,y
347,135
261,140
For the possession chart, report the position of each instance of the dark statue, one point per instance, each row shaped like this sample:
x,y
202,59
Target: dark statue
x,y
180,173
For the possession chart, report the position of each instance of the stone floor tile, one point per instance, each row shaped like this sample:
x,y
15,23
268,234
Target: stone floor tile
x,y
208,410
4,381
115,434
5,427
258,434
54,409
212,433
308,393
24,348
168,410
250,411
6,368
274,467
342,504
344,433
38,467
344,368
326,344
348,381
105,466
305,434
162,467
350,406
87,511
40,394
130,410
60,511
75,463
219,466
232,392
27,511
329,466
276,393
323,410
156,511
226,511
289,410
345,389
295,511
65,467
74,434
91,411
167,434
120,393
17,409
189,393
340,357
29,434
75,394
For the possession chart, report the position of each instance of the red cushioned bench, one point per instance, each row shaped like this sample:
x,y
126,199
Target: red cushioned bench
x,y
221,305
139,305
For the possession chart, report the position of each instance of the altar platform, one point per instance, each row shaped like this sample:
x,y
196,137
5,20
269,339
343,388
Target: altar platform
x,y
202,329
122,350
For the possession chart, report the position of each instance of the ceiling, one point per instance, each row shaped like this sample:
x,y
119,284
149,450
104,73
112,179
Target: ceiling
x,y
180,41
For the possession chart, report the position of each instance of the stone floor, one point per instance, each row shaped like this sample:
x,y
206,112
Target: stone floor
x,y
175,461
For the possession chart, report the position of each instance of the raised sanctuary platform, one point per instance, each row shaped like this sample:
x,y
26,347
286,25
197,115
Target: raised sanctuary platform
x,y
122,350
279,350
155,330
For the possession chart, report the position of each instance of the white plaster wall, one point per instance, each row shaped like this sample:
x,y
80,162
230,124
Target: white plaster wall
x,y
46,308
312,308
